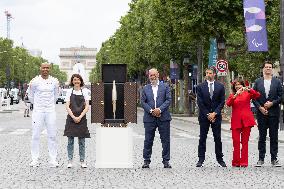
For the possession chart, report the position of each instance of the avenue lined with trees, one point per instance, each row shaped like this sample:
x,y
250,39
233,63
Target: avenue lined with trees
x,y
154,32
19,67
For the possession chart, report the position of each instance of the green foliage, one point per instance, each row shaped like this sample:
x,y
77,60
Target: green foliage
x,y
23,67
155,31
55,72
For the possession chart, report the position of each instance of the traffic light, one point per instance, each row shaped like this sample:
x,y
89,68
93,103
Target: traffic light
x,y
190,70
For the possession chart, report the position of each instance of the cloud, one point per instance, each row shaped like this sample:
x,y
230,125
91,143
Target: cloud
x,y
52,24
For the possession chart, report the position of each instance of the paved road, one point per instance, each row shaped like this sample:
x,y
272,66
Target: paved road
x,y
15,132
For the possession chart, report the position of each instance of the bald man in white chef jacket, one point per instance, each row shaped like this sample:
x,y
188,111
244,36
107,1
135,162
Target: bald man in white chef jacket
x,y
43,92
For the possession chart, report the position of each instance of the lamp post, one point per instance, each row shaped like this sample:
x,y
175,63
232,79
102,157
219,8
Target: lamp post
x,y
221,45
187,108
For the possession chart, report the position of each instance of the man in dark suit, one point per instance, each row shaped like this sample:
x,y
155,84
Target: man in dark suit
x,y
210,100
155,100
268,113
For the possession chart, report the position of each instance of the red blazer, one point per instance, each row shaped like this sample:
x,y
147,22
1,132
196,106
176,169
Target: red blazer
x,y
241,111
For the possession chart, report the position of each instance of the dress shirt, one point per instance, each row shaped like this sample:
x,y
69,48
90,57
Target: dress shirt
x,y
155,92
209,84
267,84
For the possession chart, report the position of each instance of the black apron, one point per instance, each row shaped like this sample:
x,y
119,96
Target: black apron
x,y
72,129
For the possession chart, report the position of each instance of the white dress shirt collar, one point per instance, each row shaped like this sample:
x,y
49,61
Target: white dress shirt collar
x,y
155,92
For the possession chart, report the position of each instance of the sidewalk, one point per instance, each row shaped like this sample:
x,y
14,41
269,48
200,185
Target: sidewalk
x,y
226,126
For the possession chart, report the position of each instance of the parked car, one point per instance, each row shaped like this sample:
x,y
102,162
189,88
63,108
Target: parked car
x,y
62,96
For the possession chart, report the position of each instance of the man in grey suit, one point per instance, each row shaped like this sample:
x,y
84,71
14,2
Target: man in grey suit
x,y
268,113
155,100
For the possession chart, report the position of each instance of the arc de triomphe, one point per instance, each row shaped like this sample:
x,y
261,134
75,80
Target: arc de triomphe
x,y
78,60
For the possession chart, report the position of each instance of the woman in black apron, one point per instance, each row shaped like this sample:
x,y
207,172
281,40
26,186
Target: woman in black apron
x,y
76,122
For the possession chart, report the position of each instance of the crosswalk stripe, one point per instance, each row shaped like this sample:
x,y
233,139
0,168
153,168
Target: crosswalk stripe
x,y
187,135
19,131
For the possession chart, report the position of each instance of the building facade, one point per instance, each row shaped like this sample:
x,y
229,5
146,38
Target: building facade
x,y
78,60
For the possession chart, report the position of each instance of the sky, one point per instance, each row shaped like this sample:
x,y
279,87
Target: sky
x,y
49,25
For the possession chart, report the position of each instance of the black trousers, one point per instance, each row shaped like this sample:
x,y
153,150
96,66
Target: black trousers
x,y
271,123
216,129
164,131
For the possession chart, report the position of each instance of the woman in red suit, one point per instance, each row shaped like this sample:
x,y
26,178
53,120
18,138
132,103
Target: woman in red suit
x,y
242,120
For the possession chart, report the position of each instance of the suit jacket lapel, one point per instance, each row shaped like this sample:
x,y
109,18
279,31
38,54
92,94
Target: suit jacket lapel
x,y
262,89
159,90
215,89
151,91
206,88
271,87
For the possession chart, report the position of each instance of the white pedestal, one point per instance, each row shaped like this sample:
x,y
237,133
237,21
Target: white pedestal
x,y
114,147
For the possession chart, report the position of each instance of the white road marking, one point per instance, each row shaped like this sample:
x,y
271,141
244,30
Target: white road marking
x,y
19,131
187,135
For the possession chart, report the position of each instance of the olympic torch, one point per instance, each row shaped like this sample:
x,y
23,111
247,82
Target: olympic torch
x,y
114,98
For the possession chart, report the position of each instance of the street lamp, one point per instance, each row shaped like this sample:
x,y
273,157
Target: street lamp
x,y
221,43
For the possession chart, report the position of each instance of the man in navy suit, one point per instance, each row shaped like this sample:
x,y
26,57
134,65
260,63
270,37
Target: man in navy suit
x,y
155,100
210,100
268,113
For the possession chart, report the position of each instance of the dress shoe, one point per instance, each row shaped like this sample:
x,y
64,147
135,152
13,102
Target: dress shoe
x,y
146,164
167,165
199,163
222,163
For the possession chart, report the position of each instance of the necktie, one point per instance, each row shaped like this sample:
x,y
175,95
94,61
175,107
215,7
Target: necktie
x,y
211,90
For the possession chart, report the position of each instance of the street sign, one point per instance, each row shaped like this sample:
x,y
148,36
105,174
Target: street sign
x,y
222,67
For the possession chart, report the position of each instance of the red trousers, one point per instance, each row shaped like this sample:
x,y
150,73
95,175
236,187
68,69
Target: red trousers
x,y
240,136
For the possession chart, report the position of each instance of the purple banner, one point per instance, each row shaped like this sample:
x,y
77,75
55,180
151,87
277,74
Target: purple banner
x,y
254,13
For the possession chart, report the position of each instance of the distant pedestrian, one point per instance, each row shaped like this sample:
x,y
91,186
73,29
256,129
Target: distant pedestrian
x,y
27,106
242,120
77,105
43,92
268,106
11,99
210,100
